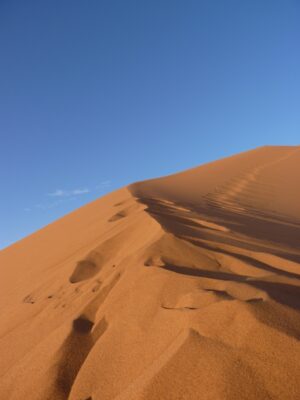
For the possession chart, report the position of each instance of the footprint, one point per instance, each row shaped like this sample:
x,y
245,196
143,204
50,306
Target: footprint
x,y
29,299
82,325
118,215
85,269
154,261
97,286
120,203
125,212
222,294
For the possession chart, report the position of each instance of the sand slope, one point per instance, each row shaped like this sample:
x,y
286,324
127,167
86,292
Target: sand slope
x,y
183,287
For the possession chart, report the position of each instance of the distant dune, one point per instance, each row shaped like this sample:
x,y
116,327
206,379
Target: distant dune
x,y
182,287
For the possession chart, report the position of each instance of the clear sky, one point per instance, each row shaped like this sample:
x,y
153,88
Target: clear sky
x,y
97,94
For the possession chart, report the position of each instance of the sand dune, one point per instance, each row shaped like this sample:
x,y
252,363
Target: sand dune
x,y
182,287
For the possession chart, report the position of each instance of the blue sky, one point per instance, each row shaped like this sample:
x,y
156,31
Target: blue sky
x,y
97,94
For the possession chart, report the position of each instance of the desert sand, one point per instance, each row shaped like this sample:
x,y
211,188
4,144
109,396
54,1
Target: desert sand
x,y
182,287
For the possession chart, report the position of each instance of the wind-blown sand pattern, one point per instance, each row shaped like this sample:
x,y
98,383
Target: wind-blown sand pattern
x,y
183,287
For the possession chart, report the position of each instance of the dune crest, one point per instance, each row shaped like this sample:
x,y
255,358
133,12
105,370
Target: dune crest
x,y
182,287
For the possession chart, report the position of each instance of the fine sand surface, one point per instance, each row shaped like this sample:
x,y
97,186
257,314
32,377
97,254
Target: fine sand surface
x,y
183,287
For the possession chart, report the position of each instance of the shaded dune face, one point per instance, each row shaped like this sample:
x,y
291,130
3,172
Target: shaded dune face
x,y
183,287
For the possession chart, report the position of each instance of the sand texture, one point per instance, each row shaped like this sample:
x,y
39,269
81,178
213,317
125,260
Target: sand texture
x,y
182,287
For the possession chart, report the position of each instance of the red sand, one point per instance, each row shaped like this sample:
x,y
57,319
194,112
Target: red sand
x,y
183,287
